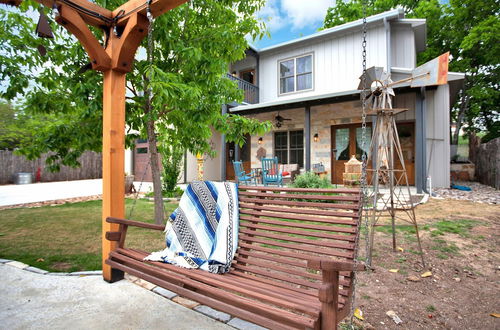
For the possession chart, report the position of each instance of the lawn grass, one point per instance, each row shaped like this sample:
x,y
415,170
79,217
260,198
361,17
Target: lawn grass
x,y
68,237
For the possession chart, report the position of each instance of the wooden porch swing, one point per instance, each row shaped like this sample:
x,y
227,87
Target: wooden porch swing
x,y
296,257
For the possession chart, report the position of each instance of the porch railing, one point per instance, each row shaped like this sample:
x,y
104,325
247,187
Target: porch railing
x,y
251,91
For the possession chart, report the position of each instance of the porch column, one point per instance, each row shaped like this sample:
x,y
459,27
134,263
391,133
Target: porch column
x,y
257,72
307,134
420,141
237,152
223,160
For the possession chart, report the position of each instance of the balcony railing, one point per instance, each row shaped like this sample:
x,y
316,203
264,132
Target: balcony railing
x,y
251,91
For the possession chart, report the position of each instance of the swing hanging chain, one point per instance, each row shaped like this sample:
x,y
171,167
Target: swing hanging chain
x,y
149,92
139,190
364,167
364,158
150,54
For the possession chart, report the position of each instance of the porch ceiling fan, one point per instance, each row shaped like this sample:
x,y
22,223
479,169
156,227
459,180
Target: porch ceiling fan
x,y
279,120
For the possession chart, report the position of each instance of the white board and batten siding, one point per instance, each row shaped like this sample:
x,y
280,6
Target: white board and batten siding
x,y
437,135
336,63
403,49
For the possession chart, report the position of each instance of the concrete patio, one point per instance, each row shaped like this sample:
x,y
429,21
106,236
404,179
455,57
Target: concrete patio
x,y
38,301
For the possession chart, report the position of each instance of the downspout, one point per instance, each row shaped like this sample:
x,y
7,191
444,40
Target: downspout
x,y
257,71
387,26
421,141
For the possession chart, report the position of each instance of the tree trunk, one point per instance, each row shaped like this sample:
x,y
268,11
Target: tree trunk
x,y
155,171
153,154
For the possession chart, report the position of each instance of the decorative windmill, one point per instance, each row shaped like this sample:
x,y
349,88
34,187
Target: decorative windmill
x,y
388,190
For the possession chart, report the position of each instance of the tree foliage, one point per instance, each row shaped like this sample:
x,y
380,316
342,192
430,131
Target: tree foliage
x,y
466,28
193,45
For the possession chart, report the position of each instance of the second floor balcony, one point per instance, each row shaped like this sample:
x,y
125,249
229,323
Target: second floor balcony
x,y
250,91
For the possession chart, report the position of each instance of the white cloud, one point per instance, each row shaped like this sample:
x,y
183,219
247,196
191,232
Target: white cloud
x,y
271,15
301,13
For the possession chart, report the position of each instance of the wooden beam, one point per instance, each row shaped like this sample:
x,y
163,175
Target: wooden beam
x,y
15,3
113,158
74,23
124,47
158,7
115,60
91,20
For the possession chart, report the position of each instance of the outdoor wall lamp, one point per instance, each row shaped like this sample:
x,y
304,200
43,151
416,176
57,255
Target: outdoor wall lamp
x,y
260,140
316,137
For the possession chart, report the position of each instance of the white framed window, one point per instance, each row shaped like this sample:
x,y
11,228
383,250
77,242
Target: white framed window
x,y
296,74
289,147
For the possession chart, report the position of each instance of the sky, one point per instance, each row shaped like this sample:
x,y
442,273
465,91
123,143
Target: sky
x,y
291,19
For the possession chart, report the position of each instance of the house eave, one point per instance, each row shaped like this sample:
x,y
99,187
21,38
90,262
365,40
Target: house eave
x,y
297,102
388,15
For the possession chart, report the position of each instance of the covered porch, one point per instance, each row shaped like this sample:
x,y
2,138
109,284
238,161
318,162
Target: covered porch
x,y
326,130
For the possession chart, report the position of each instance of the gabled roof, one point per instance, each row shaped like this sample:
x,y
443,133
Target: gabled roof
x,y
388,15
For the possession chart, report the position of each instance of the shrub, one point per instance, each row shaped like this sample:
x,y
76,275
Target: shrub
x,y
310,180
172,159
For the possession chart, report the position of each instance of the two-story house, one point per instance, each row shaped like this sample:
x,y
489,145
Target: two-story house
x,y
307,88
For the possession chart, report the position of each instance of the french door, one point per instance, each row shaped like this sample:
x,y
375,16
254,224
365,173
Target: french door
x,y
346,141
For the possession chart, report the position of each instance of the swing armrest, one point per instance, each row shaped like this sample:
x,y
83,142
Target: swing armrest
x,y
334,265
135,223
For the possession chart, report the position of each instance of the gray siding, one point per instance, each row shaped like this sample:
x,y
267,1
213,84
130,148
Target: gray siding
x,y
403,54
336,63
438,137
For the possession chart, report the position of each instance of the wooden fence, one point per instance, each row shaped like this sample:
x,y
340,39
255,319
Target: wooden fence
x,y
10,164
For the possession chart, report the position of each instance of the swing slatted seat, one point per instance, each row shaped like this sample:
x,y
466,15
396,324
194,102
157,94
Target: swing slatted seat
x,y
293,268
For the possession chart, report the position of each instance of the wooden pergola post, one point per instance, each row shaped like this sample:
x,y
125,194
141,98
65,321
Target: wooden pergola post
x,y
124,28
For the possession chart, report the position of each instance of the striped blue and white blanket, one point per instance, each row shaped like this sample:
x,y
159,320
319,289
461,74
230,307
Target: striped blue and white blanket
x,y
203,231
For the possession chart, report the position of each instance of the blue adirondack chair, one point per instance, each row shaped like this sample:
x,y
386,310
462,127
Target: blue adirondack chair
x,y
270,172
242,176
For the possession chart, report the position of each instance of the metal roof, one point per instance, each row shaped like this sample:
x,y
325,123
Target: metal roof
x,y
391,14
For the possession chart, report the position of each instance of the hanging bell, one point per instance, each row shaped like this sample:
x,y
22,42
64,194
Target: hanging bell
x,y
42,50
43,29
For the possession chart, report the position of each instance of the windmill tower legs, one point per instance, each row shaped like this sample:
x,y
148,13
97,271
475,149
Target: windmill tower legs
x,y
389,192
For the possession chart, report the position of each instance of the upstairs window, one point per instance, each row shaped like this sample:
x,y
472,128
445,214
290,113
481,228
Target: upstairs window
x,y
296,74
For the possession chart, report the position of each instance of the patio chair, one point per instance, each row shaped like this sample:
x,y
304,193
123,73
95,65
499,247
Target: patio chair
x,y
242,176
271,173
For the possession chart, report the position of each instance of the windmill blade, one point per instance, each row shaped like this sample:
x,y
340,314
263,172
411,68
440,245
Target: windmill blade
x,y
372,74
375,73
434,72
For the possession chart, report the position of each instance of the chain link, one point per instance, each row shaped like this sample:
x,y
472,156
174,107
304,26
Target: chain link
x,y
150,54
364,166
149,92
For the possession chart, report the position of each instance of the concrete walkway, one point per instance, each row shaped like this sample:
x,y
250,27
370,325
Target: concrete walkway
x,y
48,191
35,301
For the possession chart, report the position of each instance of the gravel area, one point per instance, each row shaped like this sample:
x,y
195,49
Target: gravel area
x,y
480,193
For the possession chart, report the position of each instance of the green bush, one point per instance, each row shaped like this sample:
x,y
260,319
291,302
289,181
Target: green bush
x,y
172,156
310,180
176,192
